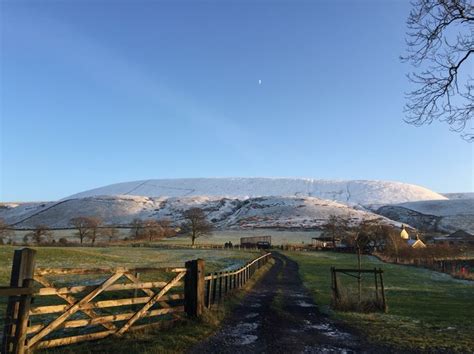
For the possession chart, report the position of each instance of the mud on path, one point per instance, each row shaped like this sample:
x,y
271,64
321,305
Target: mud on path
x,y
279,316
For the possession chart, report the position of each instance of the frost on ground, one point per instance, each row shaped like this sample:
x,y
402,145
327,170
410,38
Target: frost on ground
x,y
241,334
279,316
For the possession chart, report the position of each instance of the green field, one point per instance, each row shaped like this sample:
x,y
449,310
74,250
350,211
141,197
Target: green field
x,y
427,310
177,339
218,237
88,257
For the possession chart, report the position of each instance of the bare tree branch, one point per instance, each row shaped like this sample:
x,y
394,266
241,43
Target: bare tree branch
x,y
440,45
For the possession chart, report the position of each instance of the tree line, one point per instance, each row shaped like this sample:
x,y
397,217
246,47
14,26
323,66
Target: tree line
x,y
372,236
92,229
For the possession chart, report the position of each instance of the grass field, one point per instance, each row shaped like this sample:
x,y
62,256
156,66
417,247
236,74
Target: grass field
x,y
218,237
427,310
88,257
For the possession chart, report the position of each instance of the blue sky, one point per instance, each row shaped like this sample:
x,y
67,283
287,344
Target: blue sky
x,y
99,92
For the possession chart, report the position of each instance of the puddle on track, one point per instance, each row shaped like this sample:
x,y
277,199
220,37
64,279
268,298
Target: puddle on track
x,y
242,333
252,315
303,303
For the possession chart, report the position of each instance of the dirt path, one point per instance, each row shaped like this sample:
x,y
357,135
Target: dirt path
x,y
279,316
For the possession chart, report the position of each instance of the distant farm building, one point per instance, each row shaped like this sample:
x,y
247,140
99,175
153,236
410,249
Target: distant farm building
x,y
321,242
404,233
416,243
458,238
256,242
413,243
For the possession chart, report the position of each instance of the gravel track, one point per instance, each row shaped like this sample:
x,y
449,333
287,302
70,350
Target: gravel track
x,y
280,316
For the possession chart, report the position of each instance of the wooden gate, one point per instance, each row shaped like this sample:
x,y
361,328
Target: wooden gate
x,y
96,308
46,310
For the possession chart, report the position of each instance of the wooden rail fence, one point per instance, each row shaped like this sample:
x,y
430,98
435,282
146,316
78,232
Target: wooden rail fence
x,y
219,284
114,301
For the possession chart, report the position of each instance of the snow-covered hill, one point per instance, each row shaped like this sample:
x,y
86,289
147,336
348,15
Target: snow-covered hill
x,y
261,212
468,195
349,192
434,215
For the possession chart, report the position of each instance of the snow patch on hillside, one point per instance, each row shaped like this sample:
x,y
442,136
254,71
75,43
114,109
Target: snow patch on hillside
x,y
467,195
226,213
434,215
442,207
350,192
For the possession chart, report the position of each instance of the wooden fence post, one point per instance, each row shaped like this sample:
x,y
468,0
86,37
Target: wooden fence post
x,y
226,281
214,289
220,286
384,301
194,288
16,319
22,319
209,291
376,286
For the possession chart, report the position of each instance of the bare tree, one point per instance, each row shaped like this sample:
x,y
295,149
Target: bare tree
x,y
360,238
94,224
111,233
5,231
336,227
136,228
381,235
81,223
168,229
149,229
440,45
39,234
196,224
152,230
394,244
86,226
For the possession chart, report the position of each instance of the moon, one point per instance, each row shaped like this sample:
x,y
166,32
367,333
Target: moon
x,y
259,82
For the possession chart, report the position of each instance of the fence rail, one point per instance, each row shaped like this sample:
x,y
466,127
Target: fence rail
x,y
115,301
379,289
219,284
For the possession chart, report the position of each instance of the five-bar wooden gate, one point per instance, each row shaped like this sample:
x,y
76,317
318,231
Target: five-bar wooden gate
x,y
96,309
111,301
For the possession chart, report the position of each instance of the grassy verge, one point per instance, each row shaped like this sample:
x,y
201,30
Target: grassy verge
x,y
427,310
177,339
